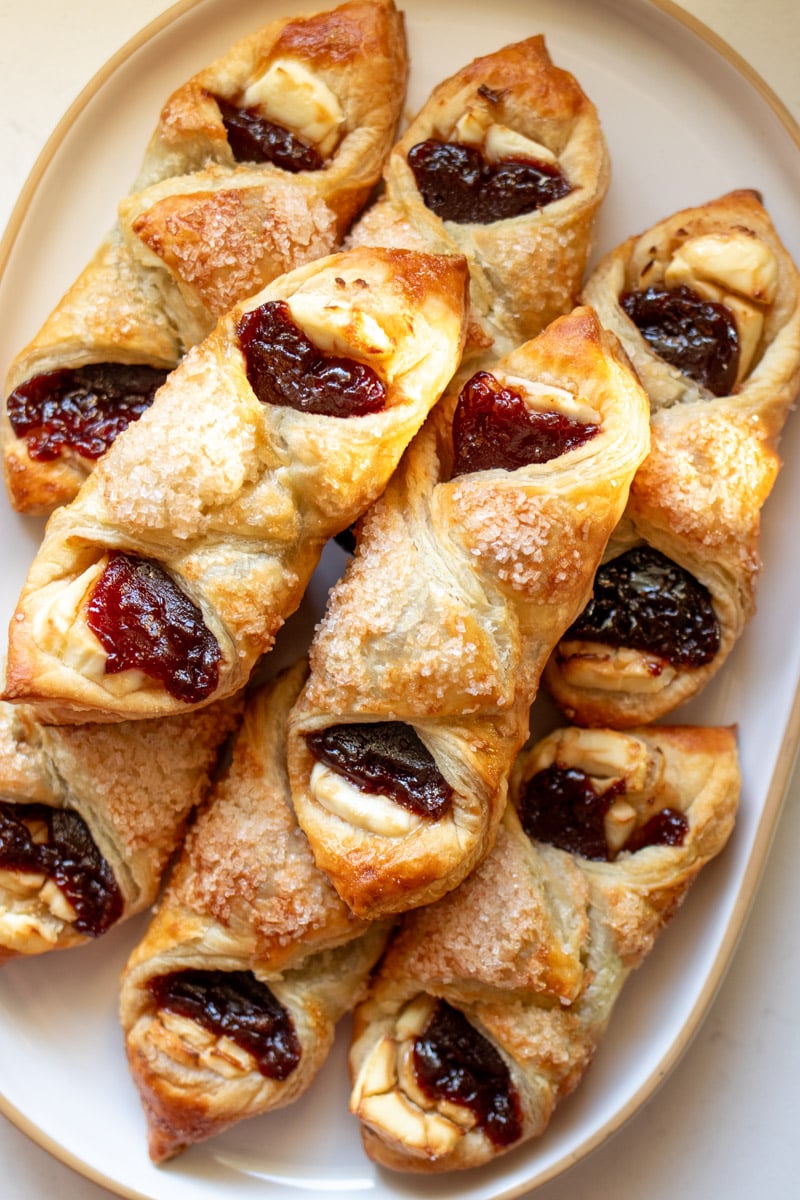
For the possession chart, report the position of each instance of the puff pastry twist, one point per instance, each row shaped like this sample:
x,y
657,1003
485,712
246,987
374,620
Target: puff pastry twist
x,y
692,525
248,928
488,1006
91,815
459,589
220,518
502,115
209,222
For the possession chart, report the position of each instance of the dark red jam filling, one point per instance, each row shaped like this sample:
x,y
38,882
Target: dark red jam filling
x,y
645,601
562,807
145,622
697,336
453,1062
665,828
284,367
81,408
233,1004
385,758
493,427
458,184
68,856
252,138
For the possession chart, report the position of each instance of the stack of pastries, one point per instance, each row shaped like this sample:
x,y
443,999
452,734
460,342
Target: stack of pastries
x,y
301,329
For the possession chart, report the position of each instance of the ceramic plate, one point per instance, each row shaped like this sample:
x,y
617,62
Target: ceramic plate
x,y
685,124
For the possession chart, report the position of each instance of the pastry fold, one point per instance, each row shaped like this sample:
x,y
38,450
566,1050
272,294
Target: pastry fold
x,y
489,1005
696,500
221,502
245,900
460,586
514,108
90,816
209,222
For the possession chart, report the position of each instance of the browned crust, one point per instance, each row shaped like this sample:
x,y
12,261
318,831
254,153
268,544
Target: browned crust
x,y
445,617
198,232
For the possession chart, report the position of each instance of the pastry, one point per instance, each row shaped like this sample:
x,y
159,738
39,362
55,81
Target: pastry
x,y
230,1000
506,163
707,304
160,585
489,1005
425,665
258,164
90,816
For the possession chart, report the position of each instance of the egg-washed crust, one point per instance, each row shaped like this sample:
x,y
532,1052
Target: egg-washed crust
x,y
466,951
713,460
245,895
200,231
457,593
525,270
237,503
135,784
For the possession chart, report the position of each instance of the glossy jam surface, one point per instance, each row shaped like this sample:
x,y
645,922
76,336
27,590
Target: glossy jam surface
x,y
62,850
236,1005
562,807
252,138
284,367
697,336
645,601
145,622
493,427
454,1062
385,758
458,184
668,827
82,408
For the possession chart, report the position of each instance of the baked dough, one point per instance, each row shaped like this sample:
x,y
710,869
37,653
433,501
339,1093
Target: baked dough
x,y
698,496
236,501
459,589
133,785
201,230
532,951
514,106
245,897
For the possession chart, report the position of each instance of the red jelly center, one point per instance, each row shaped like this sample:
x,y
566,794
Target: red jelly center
x,y
453,1062
562,807
697,336
234,1004
458,184
666,828
645,601
68,856
285,368
252,138
81,408
385,758
145,622
493,427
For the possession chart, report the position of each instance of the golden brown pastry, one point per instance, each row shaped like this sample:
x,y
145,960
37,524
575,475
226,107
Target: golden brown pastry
x,y
479,554
707,304
230,1000
160,585
506,163
258,164
90,816
488,1006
